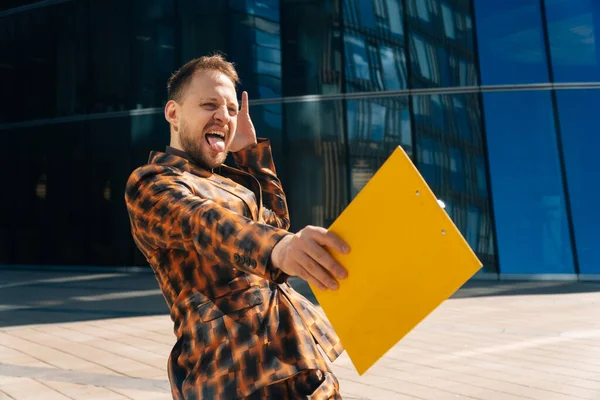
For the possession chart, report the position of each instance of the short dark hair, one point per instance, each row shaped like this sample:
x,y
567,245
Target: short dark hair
x,y
182,77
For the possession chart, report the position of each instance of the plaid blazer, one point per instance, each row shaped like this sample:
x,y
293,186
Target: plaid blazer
x,y
208,238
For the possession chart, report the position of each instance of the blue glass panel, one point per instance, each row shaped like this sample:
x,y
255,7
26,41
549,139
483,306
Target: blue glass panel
x,y
394,9
312,46
367,18
268,9
457,170
528,196
574,32
268,54
511,42
268,122
268,39
357,63
374,48
441,44
579,120
376,127
450,156
316,178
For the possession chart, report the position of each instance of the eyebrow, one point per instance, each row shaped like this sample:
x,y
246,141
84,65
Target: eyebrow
x,y
215,100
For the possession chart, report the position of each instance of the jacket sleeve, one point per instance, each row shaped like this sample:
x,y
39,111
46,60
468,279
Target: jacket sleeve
x,y
165,213
257,160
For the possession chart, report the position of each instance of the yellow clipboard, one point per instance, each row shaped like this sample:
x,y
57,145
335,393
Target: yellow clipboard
x,y
407,258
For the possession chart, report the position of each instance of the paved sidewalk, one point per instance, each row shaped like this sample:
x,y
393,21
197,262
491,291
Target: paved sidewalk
x,y
86,335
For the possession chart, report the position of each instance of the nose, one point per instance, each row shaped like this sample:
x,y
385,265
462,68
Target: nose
x,y
222,115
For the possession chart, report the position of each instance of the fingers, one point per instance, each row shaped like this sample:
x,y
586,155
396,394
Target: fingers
x,y
331,240
302,272
323,258
244,107
317,272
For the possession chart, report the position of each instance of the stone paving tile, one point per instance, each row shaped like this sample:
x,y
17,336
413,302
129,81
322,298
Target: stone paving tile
x,y
489,342
28,389
87,392
141,394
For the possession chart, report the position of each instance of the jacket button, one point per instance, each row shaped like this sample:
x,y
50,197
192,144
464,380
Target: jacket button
x,y
239,259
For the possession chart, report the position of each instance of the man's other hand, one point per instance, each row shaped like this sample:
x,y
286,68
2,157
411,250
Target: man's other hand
x,y
245,134
303,255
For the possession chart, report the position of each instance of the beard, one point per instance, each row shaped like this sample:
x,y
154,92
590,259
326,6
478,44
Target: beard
x,y
193,147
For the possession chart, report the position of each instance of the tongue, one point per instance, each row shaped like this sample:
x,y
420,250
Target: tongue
x,y
216,143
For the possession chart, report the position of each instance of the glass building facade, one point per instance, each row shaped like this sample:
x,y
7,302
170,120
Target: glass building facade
x,y
494,100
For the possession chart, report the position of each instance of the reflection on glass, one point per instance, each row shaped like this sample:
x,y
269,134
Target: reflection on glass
x,y
315,148
45,51
449,25
255,46
375,129
574,33
356,58
579,120
511,42
268,9
268,122
153,50
374,45
529,206
441,44
450,156
423,12
393,74
313,47
70,185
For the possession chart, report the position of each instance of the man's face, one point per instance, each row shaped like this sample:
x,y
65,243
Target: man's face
x,y
207,118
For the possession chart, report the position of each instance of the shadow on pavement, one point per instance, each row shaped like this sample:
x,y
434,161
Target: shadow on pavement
x,y
56,296
50,296
483,288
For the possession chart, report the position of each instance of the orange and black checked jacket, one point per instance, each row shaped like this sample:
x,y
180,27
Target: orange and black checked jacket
x,y
208,237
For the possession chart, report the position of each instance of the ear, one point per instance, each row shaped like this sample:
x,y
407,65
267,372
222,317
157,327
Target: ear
x,y
172,113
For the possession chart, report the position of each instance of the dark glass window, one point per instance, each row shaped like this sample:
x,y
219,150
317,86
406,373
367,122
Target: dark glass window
x,y
202,27
152,52
528,196
574,33
510,41
450,156
579,121
310,35
43,62
255,45
248,32
316,175
110,84
14,4
268,122
69,186
441,44
374,45
375,129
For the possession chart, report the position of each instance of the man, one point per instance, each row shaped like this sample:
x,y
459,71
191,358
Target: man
x,y
217,240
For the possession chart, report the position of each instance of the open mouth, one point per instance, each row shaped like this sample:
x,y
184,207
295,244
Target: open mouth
x,y
216,141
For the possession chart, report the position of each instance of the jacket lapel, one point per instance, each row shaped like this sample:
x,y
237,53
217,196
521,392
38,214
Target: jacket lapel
x,y
252,196
246,195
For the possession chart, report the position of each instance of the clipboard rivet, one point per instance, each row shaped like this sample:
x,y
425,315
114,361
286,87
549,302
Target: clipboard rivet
x,y
443,231
418,193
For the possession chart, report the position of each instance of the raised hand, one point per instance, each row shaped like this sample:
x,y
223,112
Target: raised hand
x,y
245,134
303,255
